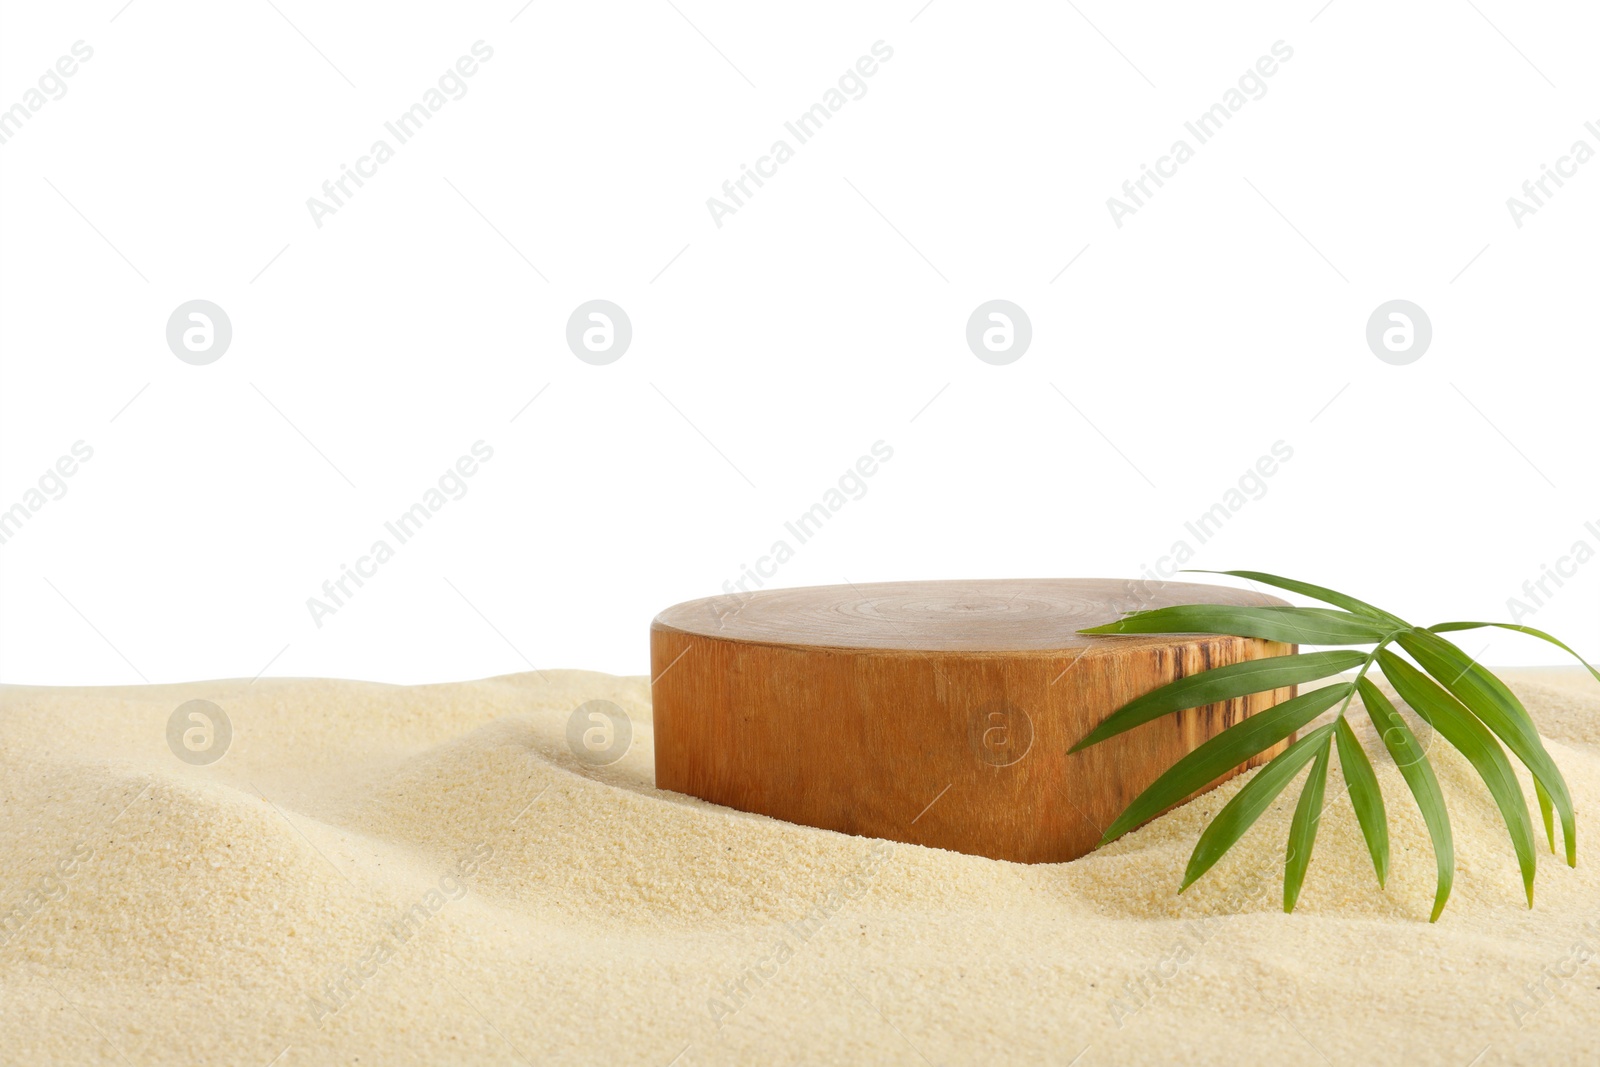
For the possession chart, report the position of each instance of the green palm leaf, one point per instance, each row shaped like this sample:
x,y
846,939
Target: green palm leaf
x,y
1469,708
1501,712
1219,684
1365,797
1317,592
1247,805
1472,738
1309,626
1303,830
1545,813
1446,627
1418,773
1222,753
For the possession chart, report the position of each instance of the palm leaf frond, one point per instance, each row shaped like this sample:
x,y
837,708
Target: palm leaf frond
x,y
1447,627
1467,706
1412,760
1303,830
1473,740
1241,812
1219,684
1365,797
1222,753
1317,592
1490,701
1305,626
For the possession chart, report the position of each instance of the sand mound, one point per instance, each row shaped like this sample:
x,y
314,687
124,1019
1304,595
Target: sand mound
x,y
429,874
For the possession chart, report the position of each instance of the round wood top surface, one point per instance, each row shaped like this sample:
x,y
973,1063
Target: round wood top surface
x,y
979,615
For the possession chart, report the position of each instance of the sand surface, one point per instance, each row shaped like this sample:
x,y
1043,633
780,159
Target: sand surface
x,y
381,874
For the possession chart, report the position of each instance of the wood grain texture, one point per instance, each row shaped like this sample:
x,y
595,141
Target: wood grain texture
x,y
934,713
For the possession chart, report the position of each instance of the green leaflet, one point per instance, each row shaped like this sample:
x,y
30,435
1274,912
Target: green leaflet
x,y
1307,626
1446,627
1222,753
1365,797
1545,813
1413,763
1219,684
1240,813
1490,701
1303,830
1317,592
1470,708
1472,738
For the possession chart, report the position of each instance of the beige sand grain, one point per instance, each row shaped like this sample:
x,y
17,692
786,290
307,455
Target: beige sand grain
x,y
252,912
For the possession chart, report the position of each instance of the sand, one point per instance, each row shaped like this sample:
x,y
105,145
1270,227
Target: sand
x,y
381,874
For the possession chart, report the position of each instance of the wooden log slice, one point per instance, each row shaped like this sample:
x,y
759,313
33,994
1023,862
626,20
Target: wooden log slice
x,y
935,713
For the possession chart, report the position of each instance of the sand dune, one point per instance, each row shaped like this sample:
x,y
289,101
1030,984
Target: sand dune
x,y
385,874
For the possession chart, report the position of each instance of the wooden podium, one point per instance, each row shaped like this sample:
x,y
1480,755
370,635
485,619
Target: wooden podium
x,y
934,713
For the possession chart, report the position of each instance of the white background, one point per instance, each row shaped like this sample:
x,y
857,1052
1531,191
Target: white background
x,y
1227,314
